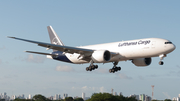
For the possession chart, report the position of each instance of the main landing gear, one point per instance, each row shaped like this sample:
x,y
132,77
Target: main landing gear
x,y
91,67
114,69
161,58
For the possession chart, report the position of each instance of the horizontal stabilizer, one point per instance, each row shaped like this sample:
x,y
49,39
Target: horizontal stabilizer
x,y
41,53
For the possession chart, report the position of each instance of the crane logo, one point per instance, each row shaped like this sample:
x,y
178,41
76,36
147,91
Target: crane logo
x,y
55,41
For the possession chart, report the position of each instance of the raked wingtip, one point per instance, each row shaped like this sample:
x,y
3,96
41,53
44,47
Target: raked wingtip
x,y
11,37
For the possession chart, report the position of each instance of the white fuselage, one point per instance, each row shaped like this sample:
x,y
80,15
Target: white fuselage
x,y
139,51
127,50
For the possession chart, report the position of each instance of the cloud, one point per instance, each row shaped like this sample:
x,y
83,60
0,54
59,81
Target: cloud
x,y
178,66
85,88
64,69
153,75
102,89
34,59
2,48
10,76
178,73
123,76
141,77
90,89
103,70
95,89
167,95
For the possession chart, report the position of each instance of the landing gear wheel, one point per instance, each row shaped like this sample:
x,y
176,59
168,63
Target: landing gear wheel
x,y
87,68
91,67
119,68
110,70
96,66
113,70
161,62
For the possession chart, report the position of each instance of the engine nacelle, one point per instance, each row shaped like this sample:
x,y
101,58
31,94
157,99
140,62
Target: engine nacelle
x,y
101,56
142,61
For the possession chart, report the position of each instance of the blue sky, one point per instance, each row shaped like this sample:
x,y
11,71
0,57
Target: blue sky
x,y
81,23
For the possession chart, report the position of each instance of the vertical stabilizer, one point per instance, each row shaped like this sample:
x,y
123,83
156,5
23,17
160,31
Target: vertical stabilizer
x,y
53,36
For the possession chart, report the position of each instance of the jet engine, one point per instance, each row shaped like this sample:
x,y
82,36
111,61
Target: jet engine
x,y
101,56
142,61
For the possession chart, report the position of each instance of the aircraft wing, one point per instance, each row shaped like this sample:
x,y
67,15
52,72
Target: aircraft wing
x,y
65,49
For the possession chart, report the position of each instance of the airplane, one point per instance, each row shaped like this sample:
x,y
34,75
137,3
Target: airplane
x,y
138,51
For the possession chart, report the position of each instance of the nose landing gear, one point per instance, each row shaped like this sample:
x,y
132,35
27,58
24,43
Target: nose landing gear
x,y
161,58
161,62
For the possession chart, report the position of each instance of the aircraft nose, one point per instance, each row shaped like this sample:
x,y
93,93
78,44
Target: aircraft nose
x,y
170,47
173,47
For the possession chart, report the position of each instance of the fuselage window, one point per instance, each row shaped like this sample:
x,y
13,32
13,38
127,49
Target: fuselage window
x,y
168,42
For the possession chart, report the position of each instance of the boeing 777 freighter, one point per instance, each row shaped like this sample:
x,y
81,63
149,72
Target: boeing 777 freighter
x,y
138,51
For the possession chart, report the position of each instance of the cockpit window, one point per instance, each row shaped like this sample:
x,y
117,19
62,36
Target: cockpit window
x,y
168,42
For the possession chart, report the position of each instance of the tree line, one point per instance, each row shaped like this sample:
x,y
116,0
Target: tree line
x,y
94,97
40,97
